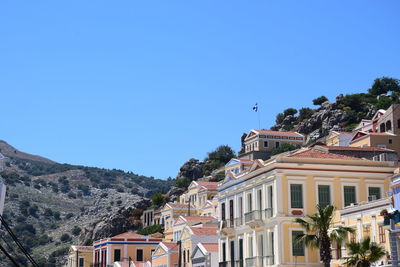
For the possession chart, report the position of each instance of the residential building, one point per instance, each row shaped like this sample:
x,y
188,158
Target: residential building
x,y
184,221
389,121
170,212
337,138
151,217
367,152
364,126
205,255
193,235
166,255
382,140
366,221
257,207
123,247
259,144
80,256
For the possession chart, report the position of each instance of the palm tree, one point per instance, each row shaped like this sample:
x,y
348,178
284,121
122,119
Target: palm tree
x,y
362,254
320,232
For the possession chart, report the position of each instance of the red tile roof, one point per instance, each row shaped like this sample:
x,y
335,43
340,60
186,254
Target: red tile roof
x,y
171,246
318,154
198,218
295,134
208,185
210,247
204,230
382,134
129,235
82,248
353,148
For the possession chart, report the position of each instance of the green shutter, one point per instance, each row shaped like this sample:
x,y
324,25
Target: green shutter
x,y
297,247
374,191
296,196
349,195
324,195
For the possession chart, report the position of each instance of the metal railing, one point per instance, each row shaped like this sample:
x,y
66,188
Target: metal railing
x,y
258,215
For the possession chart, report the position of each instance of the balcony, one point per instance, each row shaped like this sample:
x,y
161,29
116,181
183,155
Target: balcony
x,y
239,221
239,263
227,226
251,261
254,218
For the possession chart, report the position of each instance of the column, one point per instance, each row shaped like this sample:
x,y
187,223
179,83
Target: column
x,y
373,228
359,229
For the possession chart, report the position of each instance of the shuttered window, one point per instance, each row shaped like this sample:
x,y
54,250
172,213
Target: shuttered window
x,y
324,195
297,247
349,195
374,191
296,196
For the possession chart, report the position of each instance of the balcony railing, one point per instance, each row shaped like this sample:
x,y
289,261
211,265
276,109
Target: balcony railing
x,y
269,260
239,263
239,221
258,215
251,261
224,264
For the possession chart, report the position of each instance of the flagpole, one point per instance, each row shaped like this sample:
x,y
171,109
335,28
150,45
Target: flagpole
x,y
259,125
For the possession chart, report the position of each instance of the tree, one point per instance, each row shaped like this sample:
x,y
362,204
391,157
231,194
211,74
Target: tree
x,y
157,199
65,238
320,232
279,118
289,111
305,113
362,254
76,230
152,229
319,100
384,85
218,158
284,147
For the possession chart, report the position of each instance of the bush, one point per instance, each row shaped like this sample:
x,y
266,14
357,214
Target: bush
x,y
181,182
48,212
104,195
305,113
284,148
119,202
158,199
289,111
319,100
279,118
76,230
69,216
32,210
57,215
65,238
152,229
72,195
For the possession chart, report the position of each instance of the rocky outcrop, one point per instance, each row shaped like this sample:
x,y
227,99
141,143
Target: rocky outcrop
x,y
192,169
174,193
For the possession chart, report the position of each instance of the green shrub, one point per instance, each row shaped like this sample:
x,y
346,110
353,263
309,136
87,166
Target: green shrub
x,y
284,147
65,238
319,100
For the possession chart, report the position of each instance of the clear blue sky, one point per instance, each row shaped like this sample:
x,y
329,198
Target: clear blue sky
x,y
145,85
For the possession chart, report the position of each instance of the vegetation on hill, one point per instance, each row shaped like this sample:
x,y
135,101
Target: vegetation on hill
x,y
344,113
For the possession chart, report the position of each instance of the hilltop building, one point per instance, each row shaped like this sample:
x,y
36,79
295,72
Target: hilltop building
x,y
257,207
259,144
336,138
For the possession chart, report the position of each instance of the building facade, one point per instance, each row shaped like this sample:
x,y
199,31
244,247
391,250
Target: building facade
x,y
257,207
205,255
124,247
80,256
166,255
337,138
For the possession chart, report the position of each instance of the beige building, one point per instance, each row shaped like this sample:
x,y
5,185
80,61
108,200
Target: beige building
x,y
258,144
170,212
257,207
80,256
337,138
381,140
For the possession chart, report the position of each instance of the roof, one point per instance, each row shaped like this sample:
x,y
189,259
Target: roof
x,y
318,154
204,230
210,247
208,185
353,148
82,248
179,205
198,218
129,235
295,134
170,245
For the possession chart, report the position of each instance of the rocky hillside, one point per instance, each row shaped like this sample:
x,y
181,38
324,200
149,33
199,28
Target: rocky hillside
x,y
50,206
342,114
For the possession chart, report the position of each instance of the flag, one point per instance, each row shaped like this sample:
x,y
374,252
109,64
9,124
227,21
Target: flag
x,y
255,108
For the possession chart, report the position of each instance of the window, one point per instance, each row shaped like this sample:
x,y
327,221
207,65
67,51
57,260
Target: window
x,y
390,141
296,196
117,254
265,143
374,191
139,255
250,246
249,203
223,211
382,237
297,247
349,195
277,144
81,262
223,252
324,195
398,123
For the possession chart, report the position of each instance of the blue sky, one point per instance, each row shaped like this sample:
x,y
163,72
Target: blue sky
x,y
145,85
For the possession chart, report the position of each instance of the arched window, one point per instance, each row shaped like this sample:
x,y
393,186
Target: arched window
x,y
388,126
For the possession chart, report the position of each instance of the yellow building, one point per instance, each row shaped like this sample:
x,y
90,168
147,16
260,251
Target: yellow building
x,y
184,221
193,235
166,255
381,140
121,248
170,212
337,138
80,256
257,207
